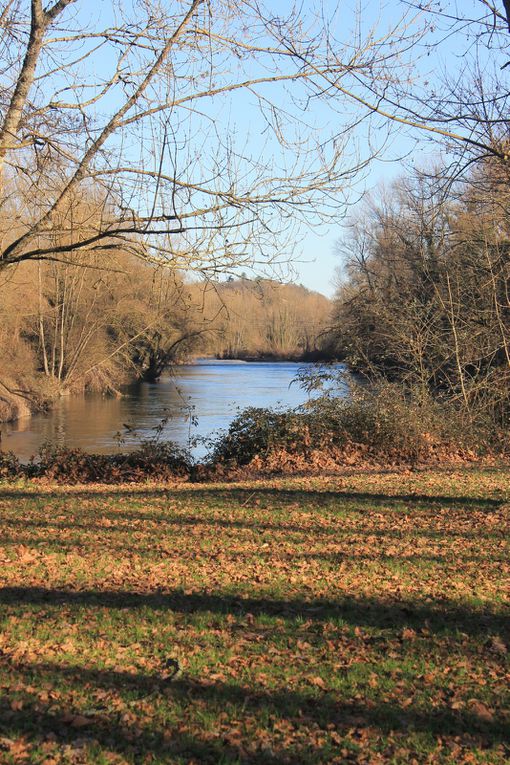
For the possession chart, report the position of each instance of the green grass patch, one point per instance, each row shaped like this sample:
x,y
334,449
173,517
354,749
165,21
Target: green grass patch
x,y
360,618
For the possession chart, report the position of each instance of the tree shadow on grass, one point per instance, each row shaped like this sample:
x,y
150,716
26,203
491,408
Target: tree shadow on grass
x,y
106,545
304,710
177,521
439,616
282,497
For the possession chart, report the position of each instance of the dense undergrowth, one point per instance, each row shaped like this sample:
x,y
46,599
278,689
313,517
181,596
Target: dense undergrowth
x,y
369,428
161,462
382,425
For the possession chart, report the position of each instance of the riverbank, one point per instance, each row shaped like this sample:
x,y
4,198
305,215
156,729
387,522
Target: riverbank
x,y
197,400
16,404
352,619
39,396
308,357
226,419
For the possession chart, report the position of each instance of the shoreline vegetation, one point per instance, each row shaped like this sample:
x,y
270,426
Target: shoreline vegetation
x,y
369,428
15,406
101,334
69,466
316,356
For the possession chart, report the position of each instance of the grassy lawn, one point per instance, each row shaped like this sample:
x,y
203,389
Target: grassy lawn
x,y
361,619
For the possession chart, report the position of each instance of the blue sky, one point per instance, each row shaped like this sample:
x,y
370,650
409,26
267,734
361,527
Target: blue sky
x,y
313,248
441,55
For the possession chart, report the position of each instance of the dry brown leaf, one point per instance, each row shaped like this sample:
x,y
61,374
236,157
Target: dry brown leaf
x,y
317,681
481,710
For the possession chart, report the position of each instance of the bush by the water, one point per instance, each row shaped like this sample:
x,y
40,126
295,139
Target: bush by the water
x,y
379,425
10,466
258,432
382,426
153,460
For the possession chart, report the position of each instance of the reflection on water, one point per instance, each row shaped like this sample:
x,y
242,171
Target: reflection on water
x,y
211,390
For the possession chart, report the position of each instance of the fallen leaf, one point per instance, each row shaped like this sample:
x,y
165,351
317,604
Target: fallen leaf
x,y
496,645
481,710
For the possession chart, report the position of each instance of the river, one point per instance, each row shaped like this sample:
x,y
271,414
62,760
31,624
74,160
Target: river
x,y
211,391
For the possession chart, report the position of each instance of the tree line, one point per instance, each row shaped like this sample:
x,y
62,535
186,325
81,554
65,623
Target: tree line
x,y
202,136
96,323
265,319
424,294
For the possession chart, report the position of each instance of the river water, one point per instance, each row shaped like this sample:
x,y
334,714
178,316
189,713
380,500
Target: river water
x,y
211,391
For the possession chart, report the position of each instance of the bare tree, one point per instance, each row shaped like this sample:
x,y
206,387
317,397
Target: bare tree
x,y
425,298
449,85
204,123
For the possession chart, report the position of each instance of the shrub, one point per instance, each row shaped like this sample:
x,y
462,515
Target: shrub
x,y
10,466
257,431
384,421
383,425
155,461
